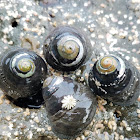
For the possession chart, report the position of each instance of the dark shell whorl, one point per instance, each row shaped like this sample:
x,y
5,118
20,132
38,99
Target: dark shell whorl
x,y
66,48
115,79
70,106
21,72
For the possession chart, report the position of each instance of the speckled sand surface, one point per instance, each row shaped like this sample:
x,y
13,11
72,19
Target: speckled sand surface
x,y
113,26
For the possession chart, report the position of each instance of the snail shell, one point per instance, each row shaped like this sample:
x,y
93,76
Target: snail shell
x,y
115,79
21,73
70,106
66,48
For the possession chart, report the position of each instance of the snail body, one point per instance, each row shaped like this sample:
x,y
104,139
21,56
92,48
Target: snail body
x,y
70,106
66,48
21,73
115,79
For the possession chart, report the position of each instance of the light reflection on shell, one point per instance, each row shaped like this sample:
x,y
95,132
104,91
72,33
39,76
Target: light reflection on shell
x,y
68,123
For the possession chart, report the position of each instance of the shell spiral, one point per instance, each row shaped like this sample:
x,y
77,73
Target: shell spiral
x,y
21,72
66,48
115,79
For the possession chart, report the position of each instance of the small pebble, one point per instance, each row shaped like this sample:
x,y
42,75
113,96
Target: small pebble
x,y
7,101
121,137
91,29
1,101
52,15
124,123
26,112
111,104
2,96
99,126
138,111
105,121
128,128
106,136
100,36
86,75
136,1
82,79
36,119
82,137
30,135
93,35
89,139
49,137
116,136
101,108
49,128
19,110
91,65
118,113
71,22
78,73
43,130
121,128
8,118
94,60
112,125
91,124
78,138
16,133
103,5
86,133
54,24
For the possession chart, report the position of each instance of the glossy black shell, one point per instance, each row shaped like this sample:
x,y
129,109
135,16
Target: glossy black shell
x,y
52,55
122,91
15,86
69,123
